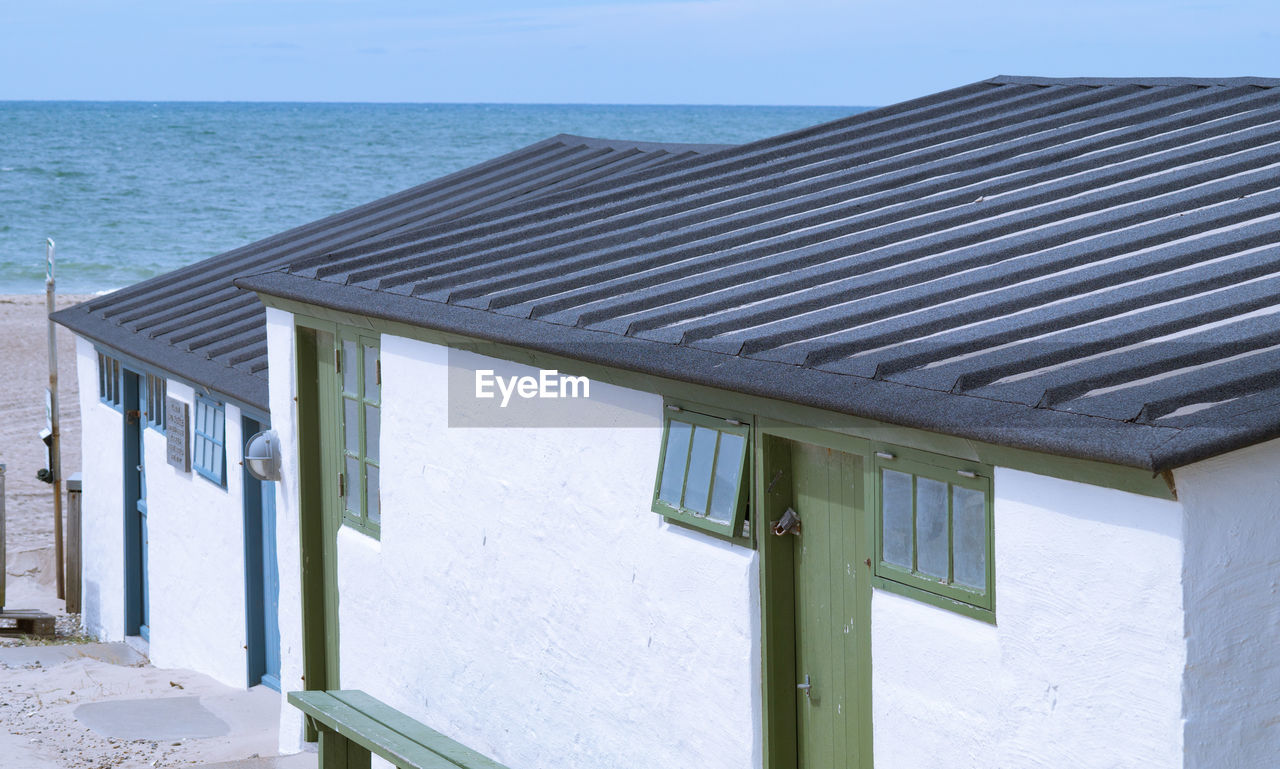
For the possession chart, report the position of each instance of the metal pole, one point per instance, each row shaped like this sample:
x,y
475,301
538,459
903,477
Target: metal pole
x,y
55,451
3,555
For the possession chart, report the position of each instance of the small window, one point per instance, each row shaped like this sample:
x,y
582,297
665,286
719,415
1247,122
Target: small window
x,y
156,387
933,529
702,472
359,415
110,391
208,452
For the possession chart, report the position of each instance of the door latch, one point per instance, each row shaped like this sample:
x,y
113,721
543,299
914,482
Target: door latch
x,y
789,523
131,416
806,686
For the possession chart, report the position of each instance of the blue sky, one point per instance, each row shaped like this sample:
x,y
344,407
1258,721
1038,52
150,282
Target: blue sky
x,y
580,51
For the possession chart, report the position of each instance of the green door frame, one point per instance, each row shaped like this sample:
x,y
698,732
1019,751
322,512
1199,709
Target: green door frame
x,y
778,652
317,519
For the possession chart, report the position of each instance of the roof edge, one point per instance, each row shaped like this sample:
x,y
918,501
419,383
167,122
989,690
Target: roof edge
x,y
1079,436
642,146
1142,82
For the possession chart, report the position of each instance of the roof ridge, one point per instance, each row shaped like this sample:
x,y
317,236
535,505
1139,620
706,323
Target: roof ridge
x,y
643,146
1230,82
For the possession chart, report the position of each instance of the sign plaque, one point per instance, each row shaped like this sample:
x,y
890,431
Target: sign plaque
x,y
176,433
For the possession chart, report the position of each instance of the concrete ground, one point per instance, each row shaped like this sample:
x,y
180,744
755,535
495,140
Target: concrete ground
x,y
73,703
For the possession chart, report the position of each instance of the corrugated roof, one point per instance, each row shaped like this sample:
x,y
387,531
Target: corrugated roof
x,y
195,323
1085,267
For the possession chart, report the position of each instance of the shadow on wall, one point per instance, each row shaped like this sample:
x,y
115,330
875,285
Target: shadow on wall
x,y
91,602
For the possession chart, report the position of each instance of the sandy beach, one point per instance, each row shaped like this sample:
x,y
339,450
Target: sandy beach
x,y
23,378
46,684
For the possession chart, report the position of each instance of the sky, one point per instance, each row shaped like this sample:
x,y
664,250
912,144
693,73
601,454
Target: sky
x,y
805,52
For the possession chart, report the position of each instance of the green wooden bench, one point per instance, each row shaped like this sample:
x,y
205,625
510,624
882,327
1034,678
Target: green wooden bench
x,y
352,726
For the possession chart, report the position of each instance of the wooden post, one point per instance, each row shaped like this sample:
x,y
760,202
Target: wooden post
x,y
74,559
55,450
3,555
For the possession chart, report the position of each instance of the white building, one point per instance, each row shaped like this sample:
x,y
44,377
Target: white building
x,y
1007,352
179,541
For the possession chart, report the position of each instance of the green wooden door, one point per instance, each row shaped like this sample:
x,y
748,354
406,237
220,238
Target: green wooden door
x,y
833,601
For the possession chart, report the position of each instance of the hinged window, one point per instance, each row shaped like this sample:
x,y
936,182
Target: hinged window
x,y
360,387
110,390
702,472
933,527
208,452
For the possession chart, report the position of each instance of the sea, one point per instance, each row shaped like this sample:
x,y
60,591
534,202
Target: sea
x,y
129,190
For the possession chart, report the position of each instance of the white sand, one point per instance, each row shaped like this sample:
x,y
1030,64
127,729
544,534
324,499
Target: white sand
x,y
24,375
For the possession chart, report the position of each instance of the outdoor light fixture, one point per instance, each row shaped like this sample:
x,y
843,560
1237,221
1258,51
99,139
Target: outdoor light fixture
x,y
262,456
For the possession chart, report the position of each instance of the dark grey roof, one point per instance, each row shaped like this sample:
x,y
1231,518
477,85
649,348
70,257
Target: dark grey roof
x,y
1084,267
195,323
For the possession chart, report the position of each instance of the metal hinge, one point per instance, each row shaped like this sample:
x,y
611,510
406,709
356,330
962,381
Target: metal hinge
x,y
342,485
378,370
337,359
131,416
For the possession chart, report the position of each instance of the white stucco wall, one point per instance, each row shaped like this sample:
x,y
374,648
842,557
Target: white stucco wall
x,y
523,599
102,500
196,558
1232,593
195,540
1084,667
284,416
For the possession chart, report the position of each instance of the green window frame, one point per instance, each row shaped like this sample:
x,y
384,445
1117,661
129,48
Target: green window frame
x,y
359,369
933,529
156,388
208,440
110,389
703,472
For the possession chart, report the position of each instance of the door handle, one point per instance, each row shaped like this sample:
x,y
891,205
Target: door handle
x,y
806,686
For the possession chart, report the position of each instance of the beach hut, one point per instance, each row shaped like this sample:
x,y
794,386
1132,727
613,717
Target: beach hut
x,y
940,435
179,541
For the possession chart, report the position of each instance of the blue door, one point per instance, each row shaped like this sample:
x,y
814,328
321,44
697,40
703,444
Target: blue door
x,y
144,619
262,576
137,603
270,588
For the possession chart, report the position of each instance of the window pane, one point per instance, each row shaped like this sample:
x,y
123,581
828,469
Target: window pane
x,y
350,367
216,454
351,475
728,476
931,527
674,457
701,457
371,495
371,373
895,504
218,423
351,426
969,517
197,451
372,433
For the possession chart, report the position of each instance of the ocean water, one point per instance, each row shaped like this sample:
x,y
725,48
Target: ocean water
x,y
133,189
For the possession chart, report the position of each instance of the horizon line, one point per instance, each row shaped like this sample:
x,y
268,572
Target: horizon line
x,y
433,103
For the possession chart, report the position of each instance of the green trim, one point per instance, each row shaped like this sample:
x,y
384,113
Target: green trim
x,y
317,527
772,495
1130,479
910,582
684,515
355,512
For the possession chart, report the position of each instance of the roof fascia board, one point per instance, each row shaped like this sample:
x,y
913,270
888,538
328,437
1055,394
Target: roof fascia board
x,y
1130,479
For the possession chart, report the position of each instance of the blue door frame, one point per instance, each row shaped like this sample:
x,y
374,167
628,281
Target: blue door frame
x,y
137,619
262,576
